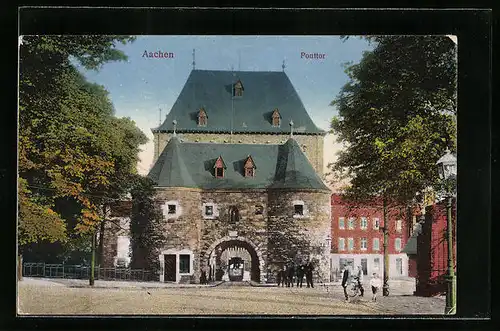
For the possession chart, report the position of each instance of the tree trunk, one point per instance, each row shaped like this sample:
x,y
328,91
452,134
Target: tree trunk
x,y
385,288
20,267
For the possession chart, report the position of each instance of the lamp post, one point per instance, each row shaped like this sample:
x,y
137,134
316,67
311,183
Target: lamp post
x,y
385,231
447,169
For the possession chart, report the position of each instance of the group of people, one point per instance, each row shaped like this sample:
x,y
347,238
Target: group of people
x,y
292,273
357,276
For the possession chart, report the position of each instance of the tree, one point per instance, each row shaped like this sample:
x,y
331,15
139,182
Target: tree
x,y
396,117
74,154
146,226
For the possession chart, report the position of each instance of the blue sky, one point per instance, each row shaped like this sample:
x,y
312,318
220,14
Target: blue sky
x,y
142,85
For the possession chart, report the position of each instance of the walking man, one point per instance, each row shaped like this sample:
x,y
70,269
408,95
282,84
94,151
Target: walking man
x,y
345,281
289,275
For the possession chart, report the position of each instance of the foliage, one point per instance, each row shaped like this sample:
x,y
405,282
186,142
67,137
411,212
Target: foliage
x,y
74,154
396,117
146,225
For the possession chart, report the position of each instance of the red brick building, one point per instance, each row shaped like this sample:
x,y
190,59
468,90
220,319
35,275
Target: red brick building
x,y
428,250
357,238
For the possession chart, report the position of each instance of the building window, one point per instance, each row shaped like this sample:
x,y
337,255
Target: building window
x,y
341,244
397,244
202,117
376,244
399,226
249,167
298,209
219,167
364,223
343,262
234,215
376,224
209,210
259,210
363,245
399,266
350,244
352,223
364,266
376,263
276,118
341,223
184,263
238,89
172,209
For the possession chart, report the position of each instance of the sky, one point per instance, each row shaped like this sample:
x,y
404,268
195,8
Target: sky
x,y
140,86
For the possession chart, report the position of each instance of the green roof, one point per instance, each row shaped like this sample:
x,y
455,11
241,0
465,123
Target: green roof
x,y
264,92
188,164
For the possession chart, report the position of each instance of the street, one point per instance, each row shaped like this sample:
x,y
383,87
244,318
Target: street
x,y
50,297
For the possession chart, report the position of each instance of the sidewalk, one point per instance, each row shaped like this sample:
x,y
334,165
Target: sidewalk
x,y
83,283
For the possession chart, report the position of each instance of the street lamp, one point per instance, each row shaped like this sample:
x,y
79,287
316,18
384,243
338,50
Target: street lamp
x,y
447,169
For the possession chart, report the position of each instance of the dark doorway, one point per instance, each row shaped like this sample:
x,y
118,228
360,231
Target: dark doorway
x,y
170,270
364,266
221,267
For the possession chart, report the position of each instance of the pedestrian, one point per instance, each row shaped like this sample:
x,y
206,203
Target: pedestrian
x,y
203,277
375,283
290,274
300,274
359,278
283,276
278,277
345,281
309,274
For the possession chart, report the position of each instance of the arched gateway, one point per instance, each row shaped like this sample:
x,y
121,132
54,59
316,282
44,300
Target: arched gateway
x,y
214,263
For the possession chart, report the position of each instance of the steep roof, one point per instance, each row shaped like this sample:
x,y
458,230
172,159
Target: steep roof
x,y
187,164
264,92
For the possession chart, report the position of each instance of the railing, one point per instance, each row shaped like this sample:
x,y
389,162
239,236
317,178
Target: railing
x,y
83,272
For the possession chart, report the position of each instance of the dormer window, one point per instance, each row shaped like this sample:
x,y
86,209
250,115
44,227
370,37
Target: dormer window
x,y
238,89
219,167
249,167
202,117
276,118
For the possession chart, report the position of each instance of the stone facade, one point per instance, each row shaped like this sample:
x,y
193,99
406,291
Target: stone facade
x,y
112,255
311,145
266,225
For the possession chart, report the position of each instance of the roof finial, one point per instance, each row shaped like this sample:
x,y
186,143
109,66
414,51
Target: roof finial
x,y
291,128
174,122
283,65
160,116
194,59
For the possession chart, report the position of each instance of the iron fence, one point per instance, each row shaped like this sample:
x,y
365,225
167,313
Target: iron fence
x,y
83,272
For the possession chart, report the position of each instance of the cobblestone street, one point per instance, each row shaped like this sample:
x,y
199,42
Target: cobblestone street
x,y
64,297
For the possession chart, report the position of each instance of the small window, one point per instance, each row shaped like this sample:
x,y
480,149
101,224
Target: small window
x,y
350,244
376,244
364,223
172,209
276,118
259,210
184,263
363,244
352,223
399,226
397,244
376,224
341,244
399,266
298,209
219,172
249,172
234,215
209,210
341,223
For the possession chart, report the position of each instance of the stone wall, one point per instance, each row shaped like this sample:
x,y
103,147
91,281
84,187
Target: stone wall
x,y
117,226
299,238
312,145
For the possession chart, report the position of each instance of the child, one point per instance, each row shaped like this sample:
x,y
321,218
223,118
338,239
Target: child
x,y
375,283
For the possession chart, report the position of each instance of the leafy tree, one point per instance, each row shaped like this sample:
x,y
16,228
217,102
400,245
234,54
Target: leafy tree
x,y
396,117
146,226
74,155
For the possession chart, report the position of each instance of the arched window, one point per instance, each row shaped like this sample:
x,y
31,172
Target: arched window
x,y
276,118
202,117
234,215
219,167
249,167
